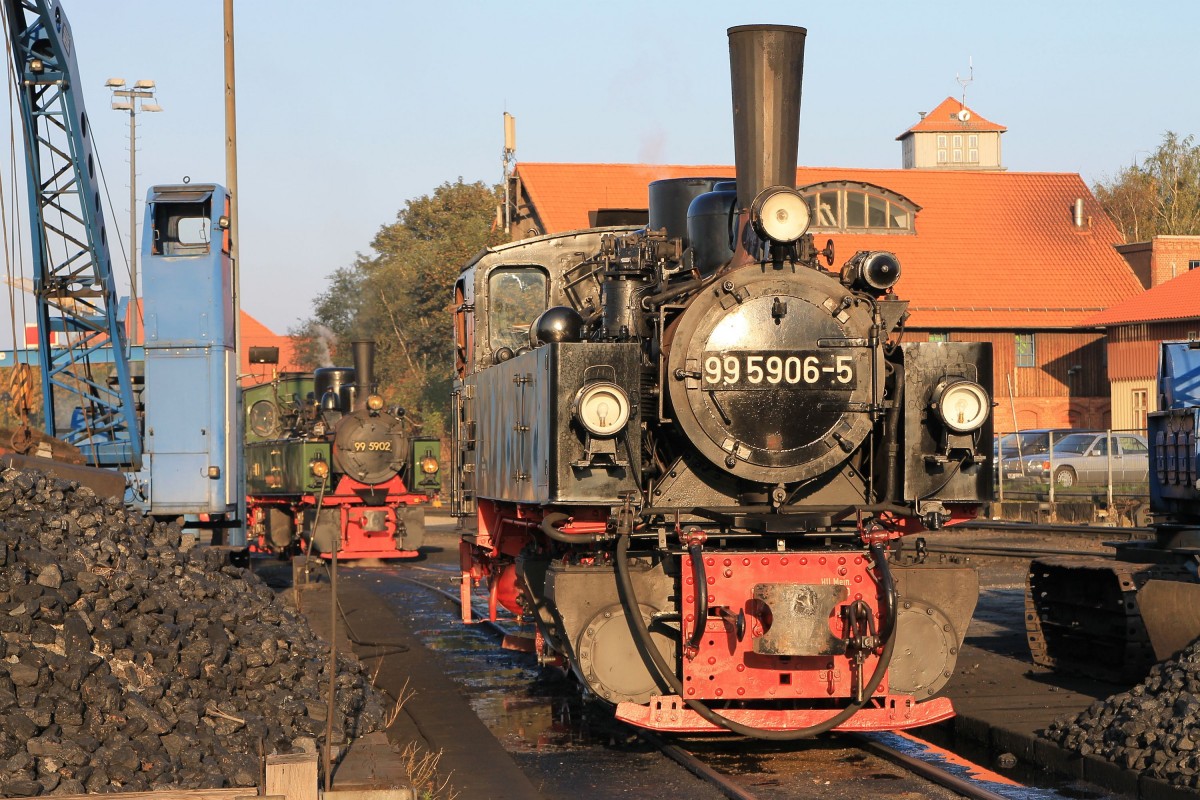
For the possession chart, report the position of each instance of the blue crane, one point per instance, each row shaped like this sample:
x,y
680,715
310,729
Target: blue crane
x,y
73,278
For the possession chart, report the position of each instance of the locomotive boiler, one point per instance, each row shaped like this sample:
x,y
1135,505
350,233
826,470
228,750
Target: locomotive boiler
x,y
692,451
329,468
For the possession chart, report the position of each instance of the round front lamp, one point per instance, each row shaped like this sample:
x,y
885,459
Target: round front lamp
x,y
780,214
429,465
963,405
374,402
602,408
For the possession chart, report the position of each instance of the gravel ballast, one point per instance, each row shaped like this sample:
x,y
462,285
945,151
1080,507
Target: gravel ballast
x,y
132,663
1152,728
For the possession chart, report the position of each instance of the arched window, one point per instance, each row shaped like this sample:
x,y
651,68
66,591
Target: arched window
x,y
853,206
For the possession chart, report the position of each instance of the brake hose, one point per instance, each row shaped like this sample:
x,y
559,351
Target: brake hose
x,y
667,675
700,581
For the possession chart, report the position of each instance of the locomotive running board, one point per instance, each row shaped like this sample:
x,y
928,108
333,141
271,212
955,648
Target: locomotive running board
x,y
670,714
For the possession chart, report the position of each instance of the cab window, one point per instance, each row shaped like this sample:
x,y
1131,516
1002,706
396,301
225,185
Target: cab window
x,y
182,228
516,296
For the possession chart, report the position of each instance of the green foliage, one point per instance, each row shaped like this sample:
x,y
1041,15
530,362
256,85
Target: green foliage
x,y
401,296
1160,196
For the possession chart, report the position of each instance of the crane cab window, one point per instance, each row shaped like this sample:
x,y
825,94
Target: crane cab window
x,y
182,229
516,295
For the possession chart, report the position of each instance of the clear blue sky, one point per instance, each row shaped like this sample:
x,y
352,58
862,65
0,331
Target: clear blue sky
x,y
347,109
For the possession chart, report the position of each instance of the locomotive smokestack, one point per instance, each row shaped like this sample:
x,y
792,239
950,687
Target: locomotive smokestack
x,y
766,64
364,370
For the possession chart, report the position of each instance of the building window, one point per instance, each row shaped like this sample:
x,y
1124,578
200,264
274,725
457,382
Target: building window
x,y
957,141
1139,408
957,155
850,206
939,336
1193,264
1193,336
941,156
973,156
1026,355
825,209
941,140
973,140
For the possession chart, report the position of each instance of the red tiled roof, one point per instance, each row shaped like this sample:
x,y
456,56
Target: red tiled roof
x,y
1178,298
945,119
992,250
255,334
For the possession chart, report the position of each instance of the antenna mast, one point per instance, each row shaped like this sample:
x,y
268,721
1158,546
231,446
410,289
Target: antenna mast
x,y
967,81
506,161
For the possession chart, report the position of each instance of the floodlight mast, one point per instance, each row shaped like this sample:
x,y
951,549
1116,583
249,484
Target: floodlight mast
x,y
139,98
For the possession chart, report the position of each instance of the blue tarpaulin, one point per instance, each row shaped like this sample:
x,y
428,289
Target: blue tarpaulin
x,y
1179,375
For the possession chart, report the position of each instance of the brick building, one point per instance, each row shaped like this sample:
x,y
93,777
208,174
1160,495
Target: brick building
x,y
1161,259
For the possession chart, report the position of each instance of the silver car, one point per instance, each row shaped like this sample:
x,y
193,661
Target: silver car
x,y
1085,459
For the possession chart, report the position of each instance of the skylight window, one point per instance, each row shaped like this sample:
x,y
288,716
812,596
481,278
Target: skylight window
x,y
851,206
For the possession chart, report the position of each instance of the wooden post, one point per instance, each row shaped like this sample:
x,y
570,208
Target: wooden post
x,y
294,776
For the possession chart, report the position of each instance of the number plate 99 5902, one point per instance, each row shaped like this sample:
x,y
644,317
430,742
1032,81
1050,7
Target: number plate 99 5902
x,y
747,369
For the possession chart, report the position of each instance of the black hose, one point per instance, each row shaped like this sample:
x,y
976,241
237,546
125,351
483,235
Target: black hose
x,y
701,606
667,294
889,592
666,674
551,519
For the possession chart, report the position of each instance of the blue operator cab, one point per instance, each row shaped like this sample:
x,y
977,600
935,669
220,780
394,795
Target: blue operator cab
x,y
192,437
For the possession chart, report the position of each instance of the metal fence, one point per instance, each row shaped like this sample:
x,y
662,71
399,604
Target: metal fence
x,y
1076,474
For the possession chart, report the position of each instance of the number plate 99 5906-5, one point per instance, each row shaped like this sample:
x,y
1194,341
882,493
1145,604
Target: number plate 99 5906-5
x,y
748,369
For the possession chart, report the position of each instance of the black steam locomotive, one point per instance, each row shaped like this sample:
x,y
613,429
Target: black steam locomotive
x,y
691,449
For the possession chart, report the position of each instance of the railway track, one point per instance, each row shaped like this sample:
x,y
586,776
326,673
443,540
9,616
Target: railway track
x,y
922,762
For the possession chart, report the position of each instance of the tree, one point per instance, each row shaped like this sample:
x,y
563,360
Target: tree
x,y
1160,196
400,296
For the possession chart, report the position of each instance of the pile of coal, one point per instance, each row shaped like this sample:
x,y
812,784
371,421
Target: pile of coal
x,y
1152,728
129,662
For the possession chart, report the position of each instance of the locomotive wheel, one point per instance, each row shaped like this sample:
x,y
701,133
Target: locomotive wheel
x,y
1064,477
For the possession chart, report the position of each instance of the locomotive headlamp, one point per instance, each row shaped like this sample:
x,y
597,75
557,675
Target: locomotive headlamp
x,y
873,271
963,405
780,214
429,465
319,468
374,402
602,408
